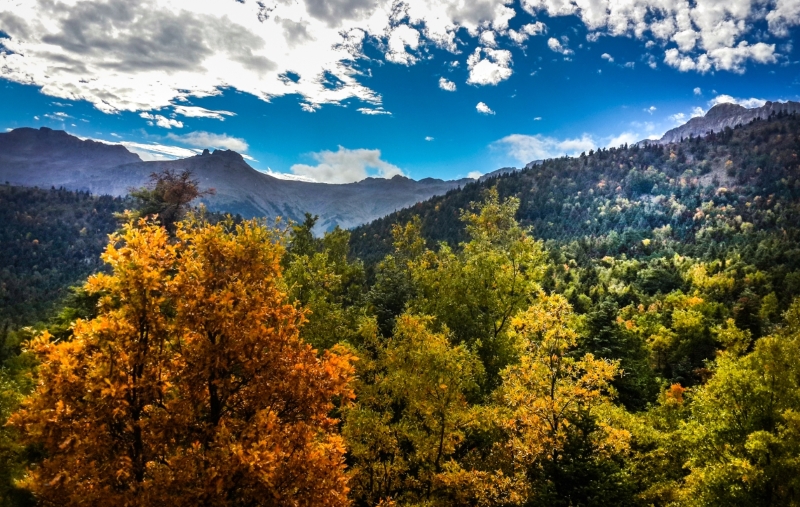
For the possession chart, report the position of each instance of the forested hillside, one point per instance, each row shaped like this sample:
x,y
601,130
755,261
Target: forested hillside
x,y
620,328
49,240
704,195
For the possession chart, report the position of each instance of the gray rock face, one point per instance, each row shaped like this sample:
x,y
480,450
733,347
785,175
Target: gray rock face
x,y
726,115
47,158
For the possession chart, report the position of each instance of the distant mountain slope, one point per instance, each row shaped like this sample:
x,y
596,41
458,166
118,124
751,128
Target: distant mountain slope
x,y
726,115
46,157
54,158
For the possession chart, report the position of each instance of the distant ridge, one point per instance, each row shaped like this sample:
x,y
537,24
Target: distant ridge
x,y
725,115
46,158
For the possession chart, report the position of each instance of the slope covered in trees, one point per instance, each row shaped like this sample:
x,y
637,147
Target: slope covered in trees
x,y
49,240
703,194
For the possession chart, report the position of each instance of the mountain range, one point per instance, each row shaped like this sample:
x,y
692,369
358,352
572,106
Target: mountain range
x,y
46,158
53,158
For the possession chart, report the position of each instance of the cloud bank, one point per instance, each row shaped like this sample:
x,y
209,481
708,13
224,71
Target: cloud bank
x,y
727,99
346,166
526,148
701,35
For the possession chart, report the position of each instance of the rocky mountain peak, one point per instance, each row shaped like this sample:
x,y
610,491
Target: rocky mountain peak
x,y
724,110
726,115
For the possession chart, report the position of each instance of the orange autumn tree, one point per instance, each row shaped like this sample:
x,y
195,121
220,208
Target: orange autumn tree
x,y
255,397
192,385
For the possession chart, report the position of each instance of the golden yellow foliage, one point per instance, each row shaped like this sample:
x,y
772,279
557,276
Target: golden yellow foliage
x,y
192,385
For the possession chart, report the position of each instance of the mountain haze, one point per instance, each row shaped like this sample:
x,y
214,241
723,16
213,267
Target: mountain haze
x,y
46,158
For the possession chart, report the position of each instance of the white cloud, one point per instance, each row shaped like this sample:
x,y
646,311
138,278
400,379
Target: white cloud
x,y
161,121
474,175
538,118
650,110
372,111
155,151
698,91
526,31
785,16
528,148
428,138
401,37
678,118
624,138
483,108
525,148
725,99
203,140
58,116
447,85
555,45
346,166
606,56
536,28
201,112
698,111
490,70
287,176
487,38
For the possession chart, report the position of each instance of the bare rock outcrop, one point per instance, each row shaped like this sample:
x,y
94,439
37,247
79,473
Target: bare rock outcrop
x,y
726,115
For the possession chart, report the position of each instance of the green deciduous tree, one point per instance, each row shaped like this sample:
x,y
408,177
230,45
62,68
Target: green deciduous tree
x,y
411,413
745,426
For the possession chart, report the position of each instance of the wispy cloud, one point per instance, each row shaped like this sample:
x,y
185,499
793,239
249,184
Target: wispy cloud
x,y
372,111
161,120
57,116
203,140
527,148
201,112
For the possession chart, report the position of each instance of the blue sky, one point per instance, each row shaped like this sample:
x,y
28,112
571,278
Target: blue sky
x,y
337,90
